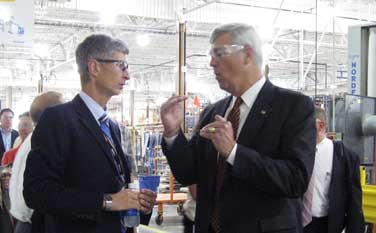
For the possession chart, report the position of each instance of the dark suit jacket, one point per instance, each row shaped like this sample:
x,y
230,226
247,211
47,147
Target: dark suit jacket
x,y
345,193
14,135
271,171
6,222
68,170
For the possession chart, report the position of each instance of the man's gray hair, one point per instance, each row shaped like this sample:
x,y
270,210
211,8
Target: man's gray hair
x,y
241,34
97,46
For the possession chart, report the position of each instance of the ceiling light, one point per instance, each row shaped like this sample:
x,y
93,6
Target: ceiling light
x,y
5,13
41,50
143,40
107,17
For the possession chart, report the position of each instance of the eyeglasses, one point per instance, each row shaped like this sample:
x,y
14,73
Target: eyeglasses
x,y
5,174
122,64
225,50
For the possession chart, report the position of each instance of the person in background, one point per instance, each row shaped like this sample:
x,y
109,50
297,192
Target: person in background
x,y
253,156
7,135
25,127
334,200
19,140
6,220
126,144
19,210
76,173
189,209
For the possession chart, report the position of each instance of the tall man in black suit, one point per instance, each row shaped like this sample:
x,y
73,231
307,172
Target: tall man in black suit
x,y
249,179
337,193
7,135
75,174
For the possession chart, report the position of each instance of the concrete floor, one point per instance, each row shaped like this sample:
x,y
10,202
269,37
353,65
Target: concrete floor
x,y
172,221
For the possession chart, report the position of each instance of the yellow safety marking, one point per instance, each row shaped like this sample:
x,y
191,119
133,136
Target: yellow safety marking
x,y
152,229
369,203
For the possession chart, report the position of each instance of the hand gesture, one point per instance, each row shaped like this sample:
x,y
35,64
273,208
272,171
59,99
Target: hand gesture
x,y
147,200
221,134
172,114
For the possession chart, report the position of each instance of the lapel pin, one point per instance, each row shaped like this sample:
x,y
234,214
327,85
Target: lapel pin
x,y
263,112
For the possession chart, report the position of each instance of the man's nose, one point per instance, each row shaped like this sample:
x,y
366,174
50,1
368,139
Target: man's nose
x,y
213,61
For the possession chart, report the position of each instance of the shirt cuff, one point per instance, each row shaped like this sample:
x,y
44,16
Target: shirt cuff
x,y
170,140
231,158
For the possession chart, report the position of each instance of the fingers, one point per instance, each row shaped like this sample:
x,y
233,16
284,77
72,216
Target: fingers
x,y
172,101
219,118
147,200
125,199
219,127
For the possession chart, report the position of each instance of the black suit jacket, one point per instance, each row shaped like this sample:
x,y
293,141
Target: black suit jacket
x,y
345,192
14,135
271,171
68,170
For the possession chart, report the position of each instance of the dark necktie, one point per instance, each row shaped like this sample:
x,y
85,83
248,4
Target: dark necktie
x,y
104,121
232,117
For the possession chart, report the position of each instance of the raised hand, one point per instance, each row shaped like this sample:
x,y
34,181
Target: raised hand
x,y
172,114
220,132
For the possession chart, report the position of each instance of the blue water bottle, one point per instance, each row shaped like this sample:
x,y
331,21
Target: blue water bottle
x,y
131,217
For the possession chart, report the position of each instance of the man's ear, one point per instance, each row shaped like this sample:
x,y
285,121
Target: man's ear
x,y
249,54
322,126
92,67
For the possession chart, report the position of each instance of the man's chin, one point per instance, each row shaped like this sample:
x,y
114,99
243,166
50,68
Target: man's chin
x,y
222,86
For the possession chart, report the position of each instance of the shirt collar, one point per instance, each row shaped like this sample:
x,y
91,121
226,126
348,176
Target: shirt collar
x,y
5,131
323,142
93,106
249,96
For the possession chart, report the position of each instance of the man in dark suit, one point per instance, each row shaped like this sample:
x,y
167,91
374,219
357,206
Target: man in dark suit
x,y
7,135
253,156
76,174
337,193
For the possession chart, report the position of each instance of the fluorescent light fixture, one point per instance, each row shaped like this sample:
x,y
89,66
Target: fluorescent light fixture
x,y
107,17
41,50
21,64
5,13
143,40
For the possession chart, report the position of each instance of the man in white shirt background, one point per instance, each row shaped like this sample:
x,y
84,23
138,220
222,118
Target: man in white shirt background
x,y
19,210
336,194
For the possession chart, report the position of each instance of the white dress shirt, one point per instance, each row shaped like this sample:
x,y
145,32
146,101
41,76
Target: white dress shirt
x,y
93,106
322,174
18,208
7,138
249,98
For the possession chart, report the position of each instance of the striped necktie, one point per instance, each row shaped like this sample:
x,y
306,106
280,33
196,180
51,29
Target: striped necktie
x,y
105,127
233,117
104,123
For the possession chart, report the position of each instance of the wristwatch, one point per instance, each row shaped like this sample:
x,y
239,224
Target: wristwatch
x,y
107,199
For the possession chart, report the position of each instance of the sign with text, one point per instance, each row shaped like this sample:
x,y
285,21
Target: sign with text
x,y
16,21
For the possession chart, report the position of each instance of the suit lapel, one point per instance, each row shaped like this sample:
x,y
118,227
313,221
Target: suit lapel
x,y
219,109
2,143
335,178
117,142
13,137
86,118
256,117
